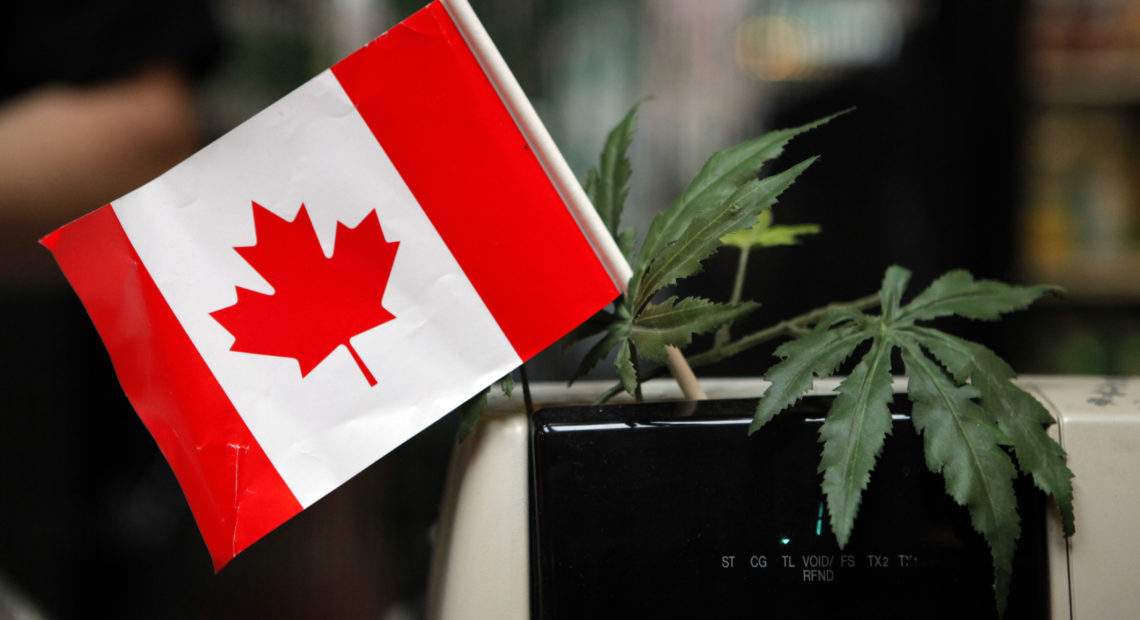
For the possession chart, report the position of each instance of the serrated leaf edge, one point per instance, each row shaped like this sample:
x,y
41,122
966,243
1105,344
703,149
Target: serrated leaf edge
x,y
844,495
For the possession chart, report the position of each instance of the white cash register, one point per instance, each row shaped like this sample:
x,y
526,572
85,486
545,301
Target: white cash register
x,y
483,562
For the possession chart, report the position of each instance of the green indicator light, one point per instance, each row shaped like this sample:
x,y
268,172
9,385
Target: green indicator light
x,y
784,541
819,521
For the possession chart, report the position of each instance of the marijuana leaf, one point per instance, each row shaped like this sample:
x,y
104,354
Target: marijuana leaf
x,y
853,434
592,327
470,410
818,354
761,234
967,409
764,235
627,371
674,324
958,293
608,185
1020,417
694,229
703,232
964,445
506,384
469,413
616,326
721,177
726,196
890,295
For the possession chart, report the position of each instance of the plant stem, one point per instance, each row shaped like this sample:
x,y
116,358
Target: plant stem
x,y
741,270
526,390
783,328
790,327
724,334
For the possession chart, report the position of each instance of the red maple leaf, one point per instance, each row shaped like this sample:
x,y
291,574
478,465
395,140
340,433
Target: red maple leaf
x,y
317,303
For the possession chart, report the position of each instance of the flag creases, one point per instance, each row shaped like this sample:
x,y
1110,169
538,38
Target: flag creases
x,y
449,257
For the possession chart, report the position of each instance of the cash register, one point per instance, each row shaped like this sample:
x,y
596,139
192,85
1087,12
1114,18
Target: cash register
x,y
670,509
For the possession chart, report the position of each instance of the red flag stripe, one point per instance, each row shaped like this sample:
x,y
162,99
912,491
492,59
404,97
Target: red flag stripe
x,y
212,452
426,99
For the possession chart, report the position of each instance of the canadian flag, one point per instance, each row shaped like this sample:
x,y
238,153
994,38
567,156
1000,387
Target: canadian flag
x,y
317,286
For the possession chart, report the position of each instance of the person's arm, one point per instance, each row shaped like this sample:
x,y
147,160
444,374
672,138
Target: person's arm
x,y
65,151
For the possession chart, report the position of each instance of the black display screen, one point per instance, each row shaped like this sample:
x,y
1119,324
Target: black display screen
x,y
673,510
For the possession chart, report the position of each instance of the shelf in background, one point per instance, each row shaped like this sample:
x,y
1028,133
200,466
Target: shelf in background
x,y
1096,77
1113,278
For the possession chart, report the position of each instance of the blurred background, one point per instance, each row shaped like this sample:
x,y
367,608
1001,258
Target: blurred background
x,y
1001,137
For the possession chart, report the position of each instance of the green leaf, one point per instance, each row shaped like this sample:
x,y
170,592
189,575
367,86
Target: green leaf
x,y
701,236
853,434
627,372
626,240
506,384
763,234
670,323
967,418
817,353
720,177
469,413
1020,417
591,187
614,171
607,186
593,326
958,293
964,445
616,334
894,284
786,235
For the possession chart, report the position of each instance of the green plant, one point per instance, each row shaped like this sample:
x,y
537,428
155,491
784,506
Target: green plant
x,y
971,416
963,403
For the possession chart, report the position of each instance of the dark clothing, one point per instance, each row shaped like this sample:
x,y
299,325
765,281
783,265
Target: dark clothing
x,y
83,42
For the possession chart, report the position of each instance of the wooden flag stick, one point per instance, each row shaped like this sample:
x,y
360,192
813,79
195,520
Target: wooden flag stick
x,y
684,376
557,169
